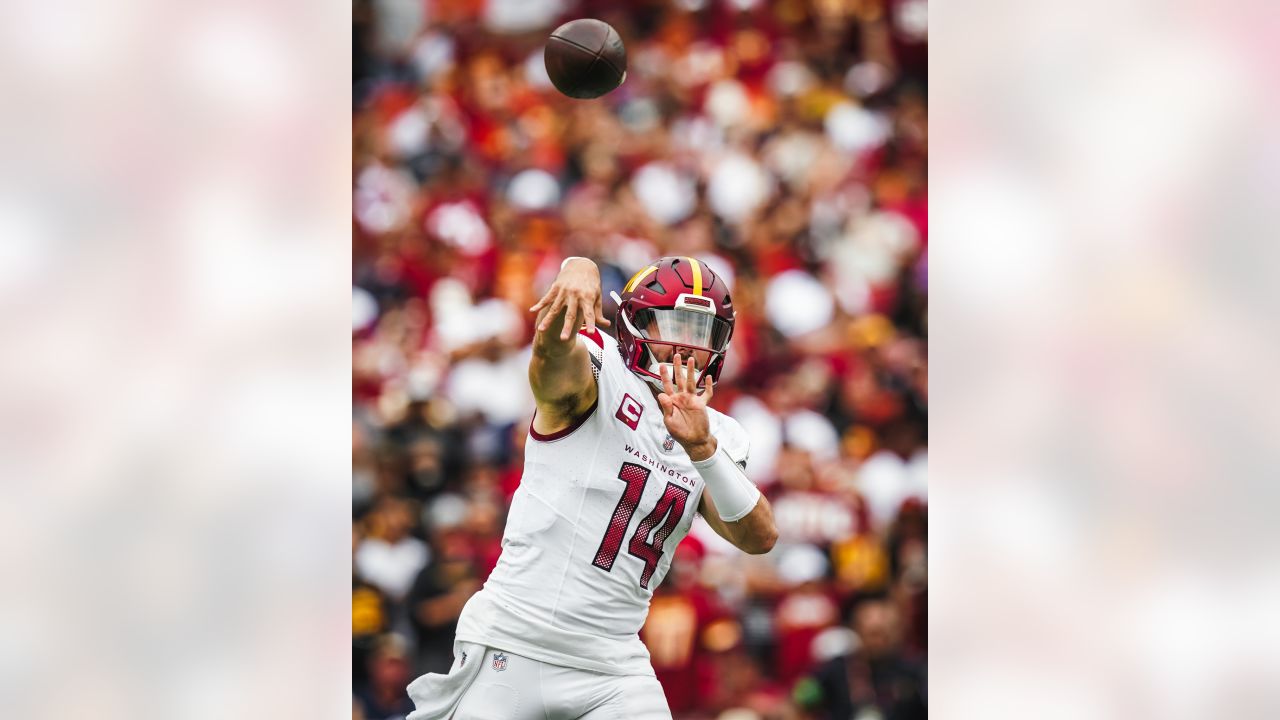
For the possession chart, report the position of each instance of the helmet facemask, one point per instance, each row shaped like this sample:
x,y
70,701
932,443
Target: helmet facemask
x,y
691,328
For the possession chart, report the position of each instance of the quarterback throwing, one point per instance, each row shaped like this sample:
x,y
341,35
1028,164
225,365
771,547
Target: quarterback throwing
x,y
623,451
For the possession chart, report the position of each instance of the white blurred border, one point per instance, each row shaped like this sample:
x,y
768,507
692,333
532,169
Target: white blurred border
x,y
1103,453
174,428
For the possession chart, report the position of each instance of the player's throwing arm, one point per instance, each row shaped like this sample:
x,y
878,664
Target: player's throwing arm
x,y
560,370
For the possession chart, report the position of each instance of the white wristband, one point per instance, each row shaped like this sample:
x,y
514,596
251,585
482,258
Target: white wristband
x,y
571,257
735,496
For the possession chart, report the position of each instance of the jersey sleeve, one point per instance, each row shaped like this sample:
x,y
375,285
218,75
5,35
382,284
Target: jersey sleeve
x,y
734,439
594,343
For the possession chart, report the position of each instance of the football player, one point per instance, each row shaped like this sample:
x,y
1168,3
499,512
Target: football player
x,y
623,451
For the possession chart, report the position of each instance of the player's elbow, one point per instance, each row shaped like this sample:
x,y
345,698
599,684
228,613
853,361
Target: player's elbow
x,y
761,542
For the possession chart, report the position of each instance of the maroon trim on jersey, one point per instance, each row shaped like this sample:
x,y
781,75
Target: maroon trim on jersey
x,y
594,336
577,423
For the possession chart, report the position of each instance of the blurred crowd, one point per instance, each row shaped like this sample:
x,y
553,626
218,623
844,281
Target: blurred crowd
x,y
782,143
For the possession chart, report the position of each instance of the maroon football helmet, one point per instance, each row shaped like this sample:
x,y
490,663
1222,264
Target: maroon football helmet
x,y
675,305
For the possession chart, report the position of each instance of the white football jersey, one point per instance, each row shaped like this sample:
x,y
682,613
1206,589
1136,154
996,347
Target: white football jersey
x,y
592,529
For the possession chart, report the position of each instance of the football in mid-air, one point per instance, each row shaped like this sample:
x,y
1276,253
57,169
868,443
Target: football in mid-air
x,y
585,58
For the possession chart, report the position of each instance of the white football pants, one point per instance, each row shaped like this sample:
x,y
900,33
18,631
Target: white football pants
x,y
489,684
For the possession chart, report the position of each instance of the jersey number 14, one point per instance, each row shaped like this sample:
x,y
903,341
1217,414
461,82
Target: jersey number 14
x,y
666,513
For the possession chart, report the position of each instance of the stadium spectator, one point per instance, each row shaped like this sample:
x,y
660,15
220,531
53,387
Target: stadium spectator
x,y
876,679
390,558
384,697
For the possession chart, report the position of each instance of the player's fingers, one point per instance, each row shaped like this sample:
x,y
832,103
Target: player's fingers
x,y
677,372
552,306
666,405
570,320
600,318
589,317
551,291
690,379
666,381
554,309
706,397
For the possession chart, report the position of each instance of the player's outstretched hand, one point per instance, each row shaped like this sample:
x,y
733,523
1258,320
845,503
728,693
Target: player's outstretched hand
x,y
684,411
576,292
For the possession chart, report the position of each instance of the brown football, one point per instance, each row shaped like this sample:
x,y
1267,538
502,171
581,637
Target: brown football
x,y
585,58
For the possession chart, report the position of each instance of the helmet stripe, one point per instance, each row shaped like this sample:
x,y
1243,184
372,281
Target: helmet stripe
x,y
635,279
697,275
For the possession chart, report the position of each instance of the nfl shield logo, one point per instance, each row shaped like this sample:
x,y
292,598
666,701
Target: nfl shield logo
x,y
499,662
669,443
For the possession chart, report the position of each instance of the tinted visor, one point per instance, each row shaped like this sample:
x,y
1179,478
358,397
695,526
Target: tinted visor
x,y
682,327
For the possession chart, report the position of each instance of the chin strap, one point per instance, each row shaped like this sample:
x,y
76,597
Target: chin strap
x,y
655,382
655,367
